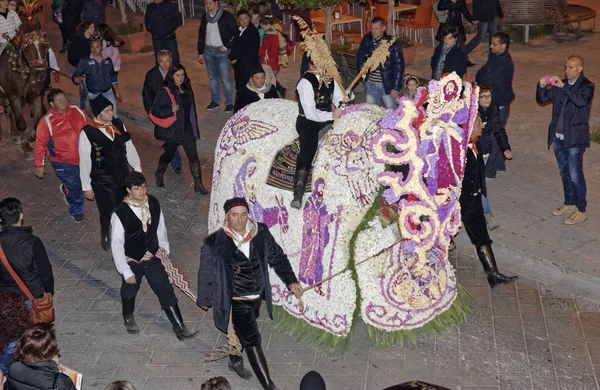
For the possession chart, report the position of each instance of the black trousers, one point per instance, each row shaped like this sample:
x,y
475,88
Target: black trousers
x,y
63,32
157,278
189,147
166,44
473,219
309,141
108,197
243,316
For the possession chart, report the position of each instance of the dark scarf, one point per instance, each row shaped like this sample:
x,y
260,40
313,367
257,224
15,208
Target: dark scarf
x,y
214,19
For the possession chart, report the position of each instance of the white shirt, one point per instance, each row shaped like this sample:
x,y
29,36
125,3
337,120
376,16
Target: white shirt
x,y
213,36
242,29
245,248
117,240
10,25
85,158
52,63
307,99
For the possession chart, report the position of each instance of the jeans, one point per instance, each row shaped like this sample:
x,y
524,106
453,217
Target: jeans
x,y
217,65
485,202
69,175
503,115
110,95
166,44
570,165
176,161
376,93
482,29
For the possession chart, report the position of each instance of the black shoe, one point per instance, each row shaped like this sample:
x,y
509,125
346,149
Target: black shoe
x,y
212,106
177,170
488,260
128,319
236,364
65,47
174,315
78,218
300,178
228,108
159,175
257,360
469,64
105,241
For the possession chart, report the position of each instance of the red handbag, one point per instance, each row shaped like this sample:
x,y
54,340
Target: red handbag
x,y
164,122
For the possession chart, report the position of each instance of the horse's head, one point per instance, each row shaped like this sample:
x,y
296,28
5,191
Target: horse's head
x,y
34,47
282,217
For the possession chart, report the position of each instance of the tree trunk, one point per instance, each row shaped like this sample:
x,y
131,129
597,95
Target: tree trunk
x,y
328,35
123,11
390,23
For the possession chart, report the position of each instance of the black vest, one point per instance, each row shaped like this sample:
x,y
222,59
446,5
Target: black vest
x,y
247,275
109,158
137,243
323,95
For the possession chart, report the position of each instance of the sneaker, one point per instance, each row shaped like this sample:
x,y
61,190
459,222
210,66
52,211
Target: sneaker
x,y
77,218
229,108
576,218
564,209
491,222
212,106
63,190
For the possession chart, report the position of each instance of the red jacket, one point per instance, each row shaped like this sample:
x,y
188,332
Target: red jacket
x,y
270,44
57,136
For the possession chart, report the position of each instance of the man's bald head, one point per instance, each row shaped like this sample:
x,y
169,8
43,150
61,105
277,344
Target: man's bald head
x,y
573,67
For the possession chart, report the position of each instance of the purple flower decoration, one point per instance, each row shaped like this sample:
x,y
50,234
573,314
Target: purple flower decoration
x,y
389,120
445,117
450,90
461,115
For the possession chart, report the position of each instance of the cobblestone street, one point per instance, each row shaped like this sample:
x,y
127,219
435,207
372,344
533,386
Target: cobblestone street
x,y
541,333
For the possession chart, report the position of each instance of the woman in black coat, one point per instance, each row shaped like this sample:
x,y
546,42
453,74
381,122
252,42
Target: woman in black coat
x,y
185,129
456,10
448,56
36,365
255,90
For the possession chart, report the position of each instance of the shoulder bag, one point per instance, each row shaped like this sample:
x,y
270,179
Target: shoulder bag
x,y
165,123
269,74
441,16
42,309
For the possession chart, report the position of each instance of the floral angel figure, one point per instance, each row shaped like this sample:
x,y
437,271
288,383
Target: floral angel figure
x,y
244,187
315,236
353,160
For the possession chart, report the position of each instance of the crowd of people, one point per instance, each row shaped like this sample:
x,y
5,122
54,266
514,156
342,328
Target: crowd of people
x,y
92,157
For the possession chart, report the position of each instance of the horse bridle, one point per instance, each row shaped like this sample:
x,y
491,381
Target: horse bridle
x,y
29,39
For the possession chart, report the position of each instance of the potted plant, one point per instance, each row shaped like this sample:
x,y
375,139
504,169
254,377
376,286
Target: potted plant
x,y
134,36
409,49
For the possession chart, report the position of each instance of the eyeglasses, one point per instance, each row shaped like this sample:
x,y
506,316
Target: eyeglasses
x,y
96,37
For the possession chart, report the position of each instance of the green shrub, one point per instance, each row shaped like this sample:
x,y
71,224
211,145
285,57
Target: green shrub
x,y
147,49
126,29
517,33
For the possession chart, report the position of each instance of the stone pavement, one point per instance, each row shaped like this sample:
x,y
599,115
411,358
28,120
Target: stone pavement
x,y
543,333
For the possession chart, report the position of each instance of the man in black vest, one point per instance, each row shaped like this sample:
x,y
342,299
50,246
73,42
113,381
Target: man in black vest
x,y
139,241
234,279
105,153
318,96
471,210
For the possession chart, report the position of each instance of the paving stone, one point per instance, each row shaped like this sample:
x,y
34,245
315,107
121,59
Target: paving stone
x,y
188,370
532,314
96,370
100,383
577,383
505,306
478,369
526,283
594,351
126,342
173,384
512,360
140,371
447,366
586,305
529,297
509,332
515,380
480,315
543,377
571,360
383,373
539,352
125,358
447,344
562,329
558,306
535,330
181,357
476,338
590,323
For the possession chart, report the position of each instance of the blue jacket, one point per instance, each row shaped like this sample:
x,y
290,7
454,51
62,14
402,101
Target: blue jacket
x,y
393,69
99,76
576,116
498,72
162,19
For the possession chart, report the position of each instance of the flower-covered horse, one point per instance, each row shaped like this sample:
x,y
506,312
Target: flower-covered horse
x,y
396,277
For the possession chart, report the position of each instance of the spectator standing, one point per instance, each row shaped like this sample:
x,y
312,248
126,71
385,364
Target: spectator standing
x,y
217,32
99,73
456,10
153,82
105,154
486,14
57,136
58,18
162,19
493,140
110,46
9,22
383,84
25,253
448,57
72,19
244,52
139,244
255,90
79,47
184,131
273,51
93,10
37,365
498,72
15,318
569,132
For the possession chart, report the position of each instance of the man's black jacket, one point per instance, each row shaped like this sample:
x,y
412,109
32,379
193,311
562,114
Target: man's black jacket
x,y
27,256
578,105
227,28
153,82
245,52
162,19
487,10
498,72
215,277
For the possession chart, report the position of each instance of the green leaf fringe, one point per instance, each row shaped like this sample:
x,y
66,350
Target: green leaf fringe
x,y
453,317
